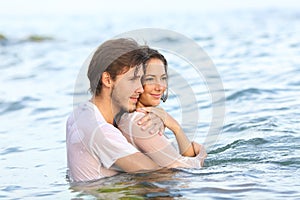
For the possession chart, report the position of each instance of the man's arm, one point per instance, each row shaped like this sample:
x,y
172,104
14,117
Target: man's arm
x,y
137,162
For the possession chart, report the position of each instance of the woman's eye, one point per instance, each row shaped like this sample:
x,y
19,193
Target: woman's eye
x,y
147,80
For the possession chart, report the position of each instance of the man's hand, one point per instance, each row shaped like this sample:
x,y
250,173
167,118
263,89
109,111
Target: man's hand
x,y
152,123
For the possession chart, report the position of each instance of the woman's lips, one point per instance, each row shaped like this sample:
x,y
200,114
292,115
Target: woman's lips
x,y
157,96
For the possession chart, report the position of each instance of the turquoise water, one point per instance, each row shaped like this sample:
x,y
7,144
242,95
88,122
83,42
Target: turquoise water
x,y
256,53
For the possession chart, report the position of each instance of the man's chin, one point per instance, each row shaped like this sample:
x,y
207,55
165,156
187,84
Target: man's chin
x,y
131,108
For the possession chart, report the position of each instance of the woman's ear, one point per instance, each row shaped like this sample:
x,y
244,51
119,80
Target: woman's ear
x,y
106,79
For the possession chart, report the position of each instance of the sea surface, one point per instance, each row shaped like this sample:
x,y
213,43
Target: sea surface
x,y
257,154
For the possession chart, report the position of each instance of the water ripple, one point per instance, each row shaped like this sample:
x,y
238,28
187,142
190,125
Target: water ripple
x,y
11,150
248,93
257,156
11,106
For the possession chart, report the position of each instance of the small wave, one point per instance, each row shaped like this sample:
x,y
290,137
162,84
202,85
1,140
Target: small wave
x,y
234,191
234,152
287,162
294,83
11,150
241,142
295,45
38,38
5,40
222,149
12,106
42,110
167,40
259,123
23,77
2,37
232,160
207,38
11,188
247,93
234,127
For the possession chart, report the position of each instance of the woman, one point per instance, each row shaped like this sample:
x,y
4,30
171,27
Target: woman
x,y
157,146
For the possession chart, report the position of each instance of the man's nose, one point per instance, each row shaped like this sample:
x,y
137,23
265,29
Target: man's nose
x,y
140,88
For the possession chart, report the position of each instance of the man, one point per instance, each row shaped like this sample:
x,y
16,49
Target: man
x,y
95,148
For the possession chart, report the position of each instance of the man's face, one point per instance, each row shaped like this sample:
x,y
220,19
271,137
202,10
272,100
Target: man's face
x,y
127,89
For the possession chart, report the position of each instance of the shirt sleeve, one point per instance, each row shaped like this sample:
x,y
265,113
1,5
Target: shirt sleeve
x,y
108,144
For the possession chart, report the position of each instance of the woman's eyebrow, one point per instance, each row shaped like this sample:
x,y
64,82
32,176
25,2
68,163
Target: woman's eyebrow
x,y
149,75
154,75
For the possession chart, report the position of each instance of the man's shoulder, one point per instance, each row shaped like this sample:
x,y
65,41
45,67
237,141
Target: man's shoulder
x,y
86,114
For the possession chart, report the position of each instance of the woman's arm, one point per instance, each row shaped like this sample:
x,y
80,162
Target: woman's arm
x,y
157,146
161,151
184,144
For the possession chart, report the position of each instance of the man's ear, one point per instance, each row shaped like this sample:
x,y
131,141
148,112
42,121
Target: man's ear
x,y
106,79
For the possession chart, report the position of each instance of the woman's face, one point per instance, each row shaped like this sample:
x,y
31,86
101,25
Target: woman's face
x,y
154,83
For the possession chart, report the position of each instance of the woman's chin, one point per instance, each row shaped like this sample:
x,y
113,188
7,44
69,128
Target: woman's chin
x,y
155,102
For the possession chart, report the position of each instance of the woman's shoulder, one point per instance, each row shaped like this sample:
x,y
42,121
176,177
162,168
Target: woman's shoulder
x,y
129,117
128,125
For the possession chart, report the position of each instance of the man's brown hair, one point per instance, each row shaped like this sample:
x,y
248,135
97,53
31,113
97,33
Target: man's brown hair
x,y
116,57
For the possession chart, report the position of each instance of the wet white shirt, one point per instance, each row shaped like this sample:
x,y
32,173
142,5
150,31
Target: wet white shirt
x,y
93,145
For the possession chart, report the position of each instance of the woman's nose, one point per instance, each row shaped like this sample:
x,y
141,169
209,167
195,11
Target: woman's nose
x,y
159,86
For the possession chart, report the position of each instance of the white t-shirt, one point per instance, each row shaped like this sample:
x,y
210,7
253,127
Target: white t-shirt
x,y
93,145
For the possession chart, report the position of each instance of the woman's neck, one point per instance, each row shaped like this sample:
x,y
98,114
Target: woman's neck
x,y
140,105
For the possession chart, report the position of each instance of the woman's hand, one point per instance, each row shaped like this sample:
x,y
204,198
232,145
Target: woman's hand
x,y
199,151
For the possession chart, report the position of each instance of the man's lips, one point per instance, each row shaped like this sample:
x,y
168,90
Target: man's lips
x,y
134,98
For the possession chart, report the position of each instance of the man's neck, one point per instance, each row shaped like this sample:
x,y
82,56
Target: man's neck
x,y
104,105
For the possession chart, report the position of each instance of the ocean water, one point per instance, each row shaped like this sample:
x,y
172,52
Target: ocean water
x,y
256,156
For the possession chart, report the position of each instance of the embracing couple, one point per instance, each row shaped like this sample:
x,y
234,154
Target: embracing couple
x,y
121,129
